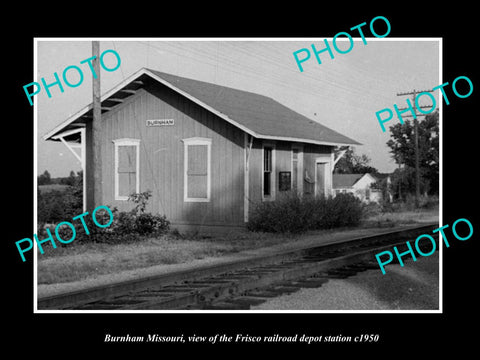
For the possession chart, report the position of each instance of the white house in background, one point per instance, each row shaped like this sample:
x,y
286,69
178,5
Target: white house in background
x,y
360,185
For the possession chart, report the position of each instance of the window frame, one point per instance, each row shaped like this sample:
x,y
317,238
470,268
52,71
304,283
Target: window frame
x,y
273,182
126,142
191,142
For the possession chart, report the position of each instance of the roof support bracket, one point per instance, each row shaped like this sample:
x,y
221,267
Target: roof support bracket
x,y
81,157
340,155
69,147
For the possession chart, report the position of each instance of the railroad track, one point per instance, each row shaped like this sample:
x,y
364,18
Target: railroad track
x,y
240,284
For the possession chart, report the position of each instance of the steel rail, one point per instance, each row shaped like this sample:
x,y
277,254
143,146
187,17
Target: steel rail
x,y
164,291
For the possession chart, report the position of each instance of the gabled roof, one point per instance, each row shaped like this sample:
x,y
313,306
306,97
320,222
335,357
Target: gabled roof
x,y
257,115
340,181
345,180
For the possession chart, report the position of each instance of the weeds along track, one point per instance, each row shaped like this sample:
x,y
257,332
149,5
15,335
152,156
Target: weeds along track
x,y
240,284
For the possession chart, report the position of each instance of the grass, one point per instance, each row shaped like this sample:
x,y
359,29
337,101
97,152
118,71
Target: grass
x,y
390,219
80,261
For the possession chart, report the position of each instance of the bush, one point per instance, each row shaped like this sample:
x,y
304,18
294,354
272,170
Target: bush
x,y
148,224
126,225
286,214
291,213
429,202
425,202
140,222
95,233
58,205
374,208
342,210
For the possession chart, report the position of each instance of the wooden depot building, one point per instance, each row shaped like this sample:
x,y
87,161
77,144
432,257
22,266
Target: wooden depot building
x,y
207,152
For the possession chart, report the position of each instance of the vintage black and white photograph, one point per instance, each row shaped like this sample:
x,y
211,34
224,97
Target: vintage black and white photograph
x,y
240,174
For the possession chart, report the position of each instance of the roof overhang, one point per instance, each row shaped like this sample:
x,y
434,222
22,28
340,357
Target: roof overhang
x,y
110,99
131,84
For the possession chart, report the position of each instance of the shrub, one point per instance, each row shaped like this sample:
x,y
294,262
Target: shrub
x,y
425,202
286,214
140,222
123,222
140,199
342,210
428,201
146,223
291,213
374,208
96,234
126,225
58,205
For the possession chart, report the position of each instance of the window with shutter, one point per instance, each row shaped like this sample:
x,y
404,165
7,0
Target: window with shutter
x,y
126,168
267,171
268,180
197,169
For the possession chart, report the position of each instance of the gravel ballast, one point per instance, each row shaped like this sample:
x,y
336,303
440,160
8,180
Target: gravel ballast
x,y
414,286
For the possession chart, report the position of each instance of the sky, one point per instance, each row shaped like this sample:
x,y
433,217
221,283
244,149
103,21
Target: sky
x,y
343,93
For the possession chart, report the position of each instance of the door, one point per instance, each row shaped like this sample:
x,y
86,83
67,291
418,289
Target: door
x,y
297,169
320,172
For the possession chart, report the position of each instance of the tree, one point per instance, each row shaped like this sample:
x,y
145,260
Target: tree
x,y
70,180
351,163
57,205
44,179
402,148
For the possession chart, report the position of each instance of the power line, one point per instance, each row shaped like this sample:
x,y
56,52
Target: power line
x,y
342,80
230,65
254,73
415,122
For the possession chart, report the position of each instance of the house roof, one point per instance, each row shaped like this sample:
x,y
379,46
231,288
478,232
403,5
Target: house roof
x,y
349,180
258,115
345,180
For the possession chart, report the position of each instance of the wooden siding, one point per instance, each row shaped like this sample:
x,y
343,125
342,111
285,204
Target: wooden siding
x,y
162,156
283,162
161,152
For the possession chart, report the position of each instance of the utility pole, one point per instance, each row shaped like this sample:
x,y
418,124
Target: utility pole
x,y
94,160
415,130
